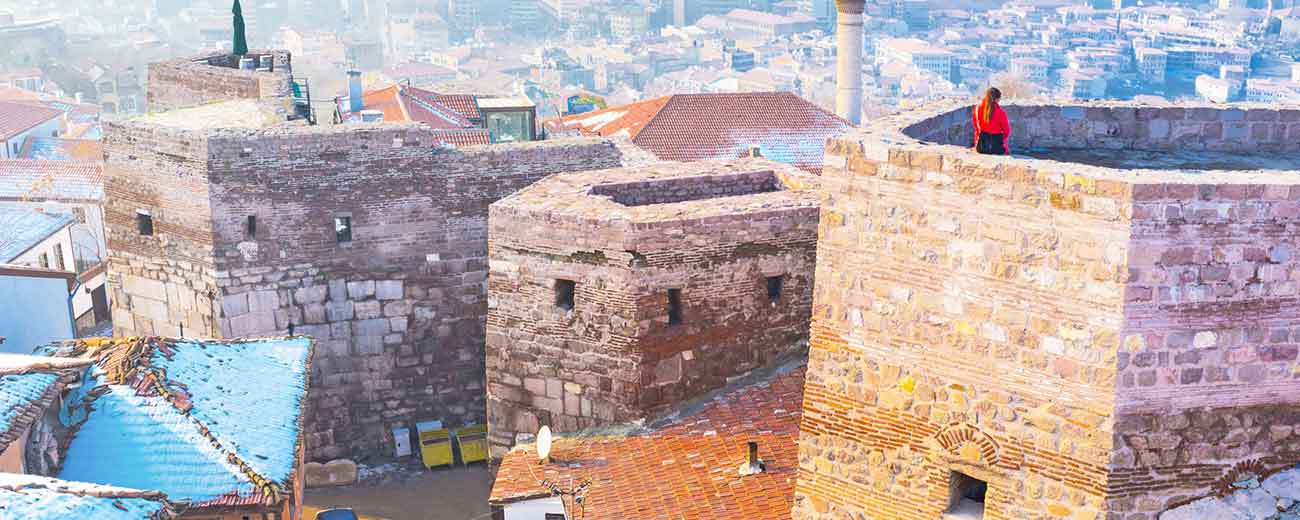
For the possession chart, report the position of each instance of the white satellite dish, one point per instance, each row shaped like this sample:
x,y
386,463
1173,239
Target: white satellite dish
x,y
544,443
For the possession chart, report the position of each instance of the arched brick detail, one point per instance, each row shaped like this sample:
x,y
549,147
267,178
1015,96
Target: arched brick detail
x,y
959,439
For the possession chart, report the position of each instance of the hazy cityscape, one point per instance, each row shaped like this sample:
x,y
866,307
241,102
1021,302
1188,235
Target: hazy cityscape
x,y
671,259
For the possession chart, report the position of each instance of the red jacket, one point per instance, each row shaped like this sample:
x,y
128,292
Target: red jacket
x,y
995,125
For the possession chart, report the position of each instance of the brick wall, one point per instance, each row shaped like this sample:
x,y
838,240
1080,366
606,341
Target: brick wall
x,y
165,282
1089,342
192,81
398,312
713,230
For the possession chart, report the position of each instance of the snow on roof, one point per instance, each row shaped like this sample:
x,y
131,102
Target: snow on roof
x,y
22,397
213,423
22,228
40,180
32,497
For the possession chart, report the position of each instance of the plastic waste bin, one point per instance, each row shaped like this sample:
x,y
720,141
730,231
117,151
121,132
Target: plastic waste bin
x,y
473,443
435,444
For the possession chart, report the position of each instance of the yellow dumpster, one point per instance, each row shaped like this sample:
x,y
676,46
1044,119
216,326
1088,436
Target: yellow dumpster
x,y
435,444
473,443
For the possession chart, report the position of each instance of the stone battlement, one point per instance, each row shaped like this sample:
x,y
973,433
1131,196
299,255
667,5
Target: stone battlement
x,y
203,79
1121,336
615,294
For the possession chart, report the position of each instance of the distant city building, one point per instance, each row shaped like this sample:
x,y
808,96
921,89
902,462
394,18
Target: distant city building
x,y
1216,89
740,60
629,22
767,25
1083,84
1271,91
1152,64
918,53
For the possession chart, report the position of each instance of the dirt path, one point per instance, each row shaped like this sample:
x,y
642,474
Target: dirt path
x,y
446,494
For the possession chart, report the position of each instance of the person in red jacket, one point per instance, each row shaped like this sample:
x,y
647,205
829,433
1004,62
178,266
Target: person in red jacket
x,y
991,126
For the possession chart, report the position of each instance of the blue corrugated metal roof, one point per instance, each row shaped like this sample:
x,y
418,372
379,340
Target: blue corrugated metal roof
x,y
21,228
30,497
18,392
248,397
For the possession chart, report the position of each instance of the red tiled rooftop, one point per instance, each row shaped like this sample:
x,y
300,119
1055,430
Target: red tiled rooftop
x,y
691,127
16,118
405,103
687,468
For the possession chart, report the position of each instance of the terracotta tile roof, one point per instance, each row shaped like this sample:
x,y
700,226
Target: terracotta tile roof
x,y
51,180
18,117
691,127
33,497
212,423
685,468
464,104
472,137
403,103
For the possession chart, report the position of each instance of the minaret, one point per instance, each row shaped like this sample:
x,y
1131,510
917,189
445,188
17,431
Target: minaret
x,y
848,77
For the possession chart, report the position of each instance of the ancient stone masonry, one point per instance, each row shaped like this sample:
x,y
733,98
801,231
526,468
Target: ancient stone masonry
x,y
614,294
366,237
1089,342
186,82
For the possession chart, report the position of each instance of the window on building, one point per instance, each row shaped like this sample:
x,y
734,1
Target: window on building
x,y
564,294
343,229
144,223
250,226
44,260
674,306
774,284
966,496
554,516
58,257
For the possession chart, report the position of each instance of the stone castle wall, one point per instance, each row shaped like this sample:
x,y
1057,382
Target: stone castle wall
x,y
398,312
1212,330
614,356
163,283
1092,343
192,81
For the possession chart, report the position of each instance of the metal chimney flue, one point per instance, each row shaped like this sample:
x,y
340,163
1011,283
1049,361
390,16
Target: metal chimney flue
x,y
753,464
848,75
354,91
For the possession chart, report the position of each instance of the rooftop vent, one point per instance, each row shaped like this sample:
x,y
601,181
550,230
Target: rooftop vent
x,y
753,464
372,116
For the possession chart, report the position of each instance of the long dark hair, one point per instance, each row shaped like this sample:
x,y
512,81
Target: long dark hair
x,y
991,97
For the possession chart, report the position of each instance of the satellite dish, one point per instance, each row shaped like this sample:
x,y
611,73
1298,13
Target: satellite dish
x,y
544,443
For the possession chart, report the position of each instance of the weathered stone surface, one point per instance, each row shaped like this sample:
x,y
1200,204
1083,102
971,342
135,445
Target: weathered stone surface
x,y
1090,342
339,472
397,313
714,231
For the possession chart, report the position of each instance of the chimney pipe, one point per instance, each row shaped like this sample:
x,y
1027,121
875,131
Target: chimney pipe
x,y
848,76
354,91
752,463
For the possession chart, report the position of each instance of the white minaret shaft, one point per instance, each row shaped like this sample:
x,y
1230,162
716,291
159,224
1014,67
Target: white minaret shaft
x,y
848,76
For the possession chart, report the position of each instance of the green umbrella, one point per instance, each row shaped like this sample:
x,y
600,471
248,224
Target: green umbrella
x,y
241,43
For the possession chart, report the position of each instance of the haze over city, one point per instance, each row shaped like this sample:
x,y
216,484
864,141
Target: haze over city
x,y
672,259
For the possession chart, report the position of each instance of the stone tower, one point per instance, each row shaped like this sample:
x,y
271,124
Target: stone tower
x,y
1107,334
228,220
614,294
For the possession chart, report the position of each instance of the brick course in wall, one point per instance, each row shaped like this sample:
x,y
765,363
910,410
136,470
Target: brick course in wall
x,y
715,231
1091,342
397,313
